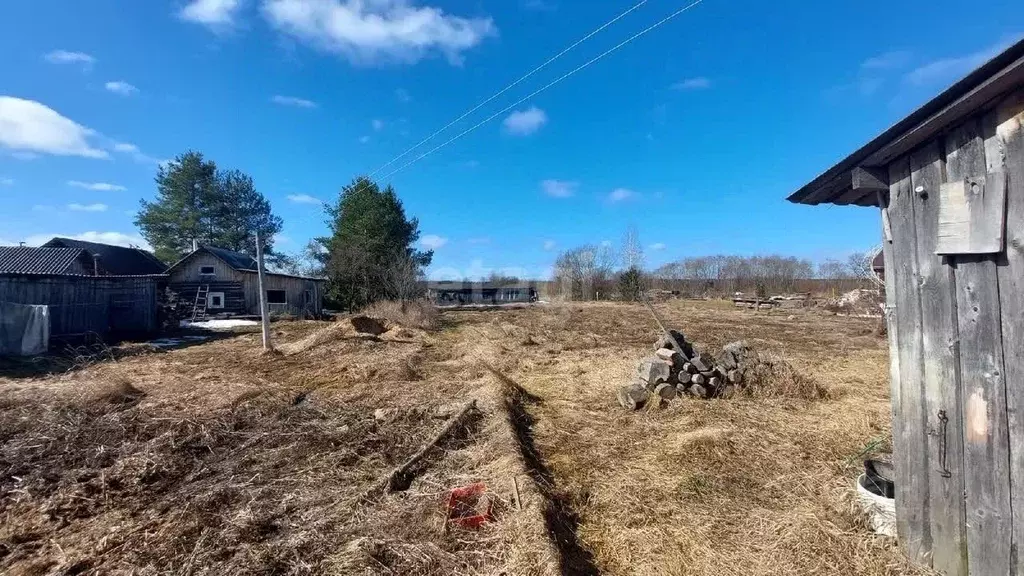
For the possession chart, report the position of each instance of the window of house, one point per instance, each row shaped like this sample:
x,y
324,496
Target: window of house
x,y
277,297
216,300
206,270
308,296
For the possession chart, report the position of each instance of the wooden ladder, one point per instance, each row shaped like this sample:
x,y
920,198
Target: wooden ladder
x,y
199,307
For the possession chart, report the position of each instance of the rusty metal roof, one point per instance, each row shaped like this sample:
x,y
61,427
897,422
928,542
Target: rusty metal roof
x,y
26,260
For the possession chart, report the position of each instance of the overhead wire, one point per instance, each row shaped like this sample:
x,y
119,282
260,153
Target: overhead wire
x,y
510,86
546,86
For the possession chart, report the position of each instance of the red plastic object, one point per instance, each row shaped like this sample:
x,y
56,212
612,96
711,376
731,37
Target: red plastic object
x,y
469,506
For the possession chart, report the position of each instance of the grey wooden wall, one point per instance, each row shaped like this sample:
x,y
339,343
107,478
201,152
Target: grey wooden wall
x,y
294,288
956,334
88,304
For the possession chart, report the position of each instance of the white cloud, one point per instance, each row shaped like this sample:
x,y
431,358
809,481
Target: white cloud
x,y
947,70
120,87
87,207
433,241
67,57
97,186
403,95
550,244
657,246
115,238
698,83
137,155
377,124
621,194
211,13
887,61
606,243
4,181
559,188
6,242
525,122
304,199
372,31
293,101
28,126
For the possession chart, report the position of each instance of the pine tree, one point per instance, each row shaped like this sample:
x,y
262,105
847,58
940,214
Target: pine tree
x,y
197,203
370,254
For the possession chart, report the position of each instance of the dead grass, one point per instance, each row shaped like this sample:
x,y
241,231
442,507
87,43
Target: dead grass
x,y
772,376
420,314
218,459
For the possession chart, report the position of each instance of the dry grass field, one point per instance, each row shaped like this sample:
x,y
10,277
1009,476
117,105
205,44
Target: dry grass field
x,y
215,458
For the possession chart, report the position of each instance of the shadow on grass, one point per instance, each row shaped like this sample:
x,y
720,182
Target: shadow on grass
x,y
68,355
560,517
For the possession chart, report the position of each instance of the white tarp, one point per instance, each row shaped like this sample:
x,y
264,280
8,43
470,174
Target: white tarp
x,y
24,329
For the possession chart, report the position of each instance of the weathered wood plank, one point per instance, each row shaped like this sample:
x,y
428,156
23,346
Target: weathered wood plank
x,y
883,204
870,179
896,394
940,372
910,454
986,440
1010,271
972,215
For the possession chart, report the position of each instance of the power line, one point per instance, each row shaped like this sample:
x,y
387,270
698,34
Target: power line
x,y
545,87
510,86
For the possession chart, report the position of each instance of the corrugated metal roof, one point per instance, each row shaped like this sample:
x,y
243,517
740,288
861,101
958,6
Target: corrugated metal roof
x,y
118,260
26,260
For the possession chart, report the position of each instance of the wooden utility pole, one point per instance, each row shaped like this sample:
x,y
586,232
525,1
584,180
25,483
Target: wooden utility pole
x,y
265,315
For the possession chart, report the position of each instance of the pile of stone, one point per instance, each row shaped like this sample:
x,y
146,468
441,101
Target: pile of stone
x,y
675,371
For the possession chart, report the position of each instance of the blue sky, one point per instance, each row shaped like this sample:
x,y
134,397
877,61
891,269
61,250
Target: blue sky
x,y
694,132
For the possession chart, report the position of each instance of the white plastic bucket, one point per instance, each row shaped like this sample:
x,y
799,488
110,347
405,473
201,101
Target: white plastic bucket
x,y
881,511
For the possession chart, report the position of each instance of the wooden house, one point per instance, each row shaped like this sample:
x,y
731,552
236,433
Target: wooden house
x,y
949,183
228,283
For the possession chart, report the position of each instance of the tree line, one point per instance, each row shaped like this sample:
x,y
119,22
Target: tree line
x,y
598,272
369,254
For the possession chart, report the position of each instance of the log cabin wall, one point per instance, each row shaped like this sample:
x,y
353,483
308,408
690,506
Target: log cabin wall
x,y
955,307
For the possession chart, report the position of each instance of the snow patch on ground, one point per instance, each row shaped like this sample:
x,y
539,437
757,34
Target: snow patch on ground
x,y
218,324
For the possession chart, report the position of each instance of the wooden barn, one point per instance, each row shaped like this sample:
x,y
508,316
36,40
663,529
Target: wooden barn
x,y
81,303
949,182
222,282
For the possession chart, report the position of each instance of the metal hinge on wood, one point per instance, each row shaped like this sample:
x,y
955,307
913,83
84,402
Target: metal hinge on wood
x,y
943,424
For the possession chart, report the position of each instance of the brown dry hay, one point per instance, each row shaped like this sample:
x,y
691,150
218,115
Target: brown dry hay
x,y
237,462
751,485
772,376
420,314
233,462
